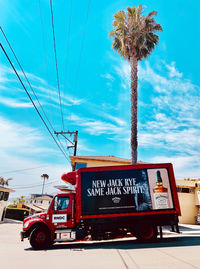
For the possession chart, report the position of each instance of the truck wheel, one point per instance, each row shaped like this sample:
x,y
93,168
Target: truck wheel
x,y
146,232
40,238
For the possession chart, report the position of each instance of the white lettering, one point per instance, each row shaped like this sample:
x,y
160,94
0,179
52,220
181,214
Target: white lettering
x,y
98,183
114,191
95,192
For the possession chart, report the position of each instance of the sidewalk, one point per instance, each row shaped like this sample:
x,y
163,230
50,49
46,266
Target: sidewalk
x,y
185,229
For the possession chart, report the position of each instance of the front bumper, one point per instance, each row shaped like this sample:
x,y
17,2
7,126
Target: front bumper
x,y
23,234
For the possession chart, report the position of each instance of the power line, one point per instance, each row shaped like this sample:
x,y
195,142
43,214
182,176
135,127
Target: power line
x,y
21,170
54,42
82,44
33,186
30,185
32,101
68,38
44,48
43,40
25,77
61,144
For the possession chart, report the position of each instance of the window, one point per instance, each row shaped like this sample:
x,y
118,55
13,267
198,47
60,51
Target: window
x,y
185,190
81,165
1,195
6,194
61,203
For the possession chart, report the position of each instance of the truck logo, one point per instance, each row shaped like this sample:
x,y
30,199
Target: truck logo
x,y
57,218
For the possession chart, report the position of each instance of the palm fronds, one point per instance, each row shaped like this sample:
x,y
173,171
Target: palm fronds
x,y
134,33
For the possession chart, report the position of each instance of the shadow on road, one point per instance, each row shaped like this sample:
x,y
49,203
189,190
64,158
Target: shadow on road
x,y
128,244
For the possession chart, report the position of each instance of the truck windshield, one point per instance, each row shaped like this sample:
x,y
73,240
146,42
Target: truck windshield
x,y
61,203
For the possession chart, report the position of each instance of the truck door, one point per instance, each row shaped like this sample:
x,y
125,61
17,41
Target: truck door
x,y
63,211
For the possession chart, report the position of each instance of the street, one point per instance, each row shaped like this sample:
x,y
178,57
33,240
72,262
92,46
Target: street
x,y
173,251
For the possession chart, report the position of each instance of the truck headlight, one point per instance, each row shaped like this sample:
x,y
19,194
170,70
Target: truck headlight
x,y
26,224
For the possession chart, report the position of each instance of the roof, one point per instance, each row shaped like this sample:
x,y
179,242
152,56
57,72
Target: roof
x,y
104,158
187,183
65,188
33,207
43,208
45,198
6,189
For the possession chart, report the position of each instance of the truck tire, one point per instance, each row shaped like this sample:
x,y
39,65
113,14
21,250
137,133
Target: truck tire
x,y
40,238
146,232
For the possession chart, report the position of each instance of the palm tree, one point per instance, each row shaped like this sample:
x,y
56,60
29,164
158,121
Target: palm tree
x,y
44,176
134,38
4,181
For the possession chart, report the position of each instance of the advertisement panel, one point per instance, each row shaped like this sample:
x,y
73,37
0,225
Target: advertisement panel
x,y
125,191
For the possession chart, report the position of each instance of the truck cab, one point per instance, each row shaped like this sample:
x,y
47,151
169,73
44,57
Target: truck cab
x,y
61,211
46,228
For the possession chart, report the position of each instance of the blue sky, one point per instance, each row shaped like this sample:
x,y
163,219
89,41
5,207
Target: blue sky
x,y
95,91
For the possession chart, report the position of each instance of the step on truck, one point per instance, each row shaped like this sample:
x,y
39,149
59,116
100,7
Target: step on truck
x,y
106,203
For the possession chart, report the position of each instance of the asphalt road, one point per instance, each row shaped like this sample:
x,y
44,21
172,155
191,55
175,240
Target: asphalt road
x,y
171,252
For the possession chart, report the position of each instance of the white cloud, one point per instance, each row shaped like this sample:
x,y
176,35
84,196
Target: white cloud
x,y
18,138
3,78
184,166
11,102
44,92
51,93
108,76
82,146
170,82
173,72
174,123
149,75
29,181
123,70
22,147
171,123
117,120
97,127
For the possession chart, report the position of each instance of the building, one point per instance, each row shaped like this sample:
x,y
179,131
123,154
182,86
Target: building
x,y
37,203
189,199
4,196
28,206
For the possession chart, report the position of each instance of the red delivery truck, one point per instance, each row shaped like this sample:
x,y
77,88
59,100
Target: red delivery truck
x,y
108,202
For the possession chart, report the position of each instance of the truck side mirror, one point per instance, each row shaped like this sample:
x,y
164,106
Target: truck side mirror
x,y
55,204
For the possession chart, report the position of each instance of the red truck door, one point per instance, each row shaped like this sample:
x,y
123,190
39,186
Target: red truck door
x,y
62,214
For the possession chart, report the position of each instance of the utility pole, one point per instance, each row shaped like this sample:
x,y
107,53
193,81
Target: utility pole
x,y
73,144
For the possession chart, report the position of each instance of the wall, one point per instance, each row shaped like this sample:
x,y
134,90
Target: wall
x,y
3,205
95,163
188,209
36,201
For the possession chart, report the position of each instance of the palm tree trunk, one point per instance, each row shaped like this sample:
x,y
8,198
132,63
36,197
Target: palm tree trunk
x,y
134,142
43,186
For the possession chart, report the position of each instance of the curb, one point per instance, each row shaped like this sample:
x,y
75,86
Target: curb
x,y
12,221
